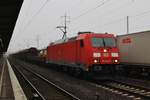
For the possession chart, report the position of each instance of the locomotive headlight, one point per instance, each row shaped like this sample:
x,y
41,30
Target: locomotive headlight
x,y
95,61
96,54
114,54
105,50
116,61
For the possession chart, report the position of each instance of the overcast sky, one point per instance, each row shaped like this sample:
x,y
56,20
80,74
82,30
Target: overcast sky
x,y
38,19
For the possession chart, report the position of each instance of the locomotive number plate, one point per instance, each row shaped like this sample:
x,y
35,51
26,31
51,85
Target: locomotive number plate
x,y
105,54
106,61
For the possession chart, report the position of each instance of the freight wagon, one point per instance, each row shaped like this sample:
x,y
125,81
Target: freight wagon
x,y
135,51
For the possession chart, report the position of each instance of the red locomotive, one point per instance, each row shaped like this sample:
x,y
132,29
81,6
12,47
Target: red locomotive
x,y
86,52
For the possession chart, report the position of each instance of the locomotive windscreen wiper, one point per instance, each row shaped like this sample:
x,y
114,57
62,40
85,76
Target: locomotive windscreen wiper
x,y
103,42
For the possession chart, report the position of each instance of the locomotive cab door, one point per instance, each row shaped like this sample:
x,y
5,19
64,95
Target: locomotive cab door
x,y
79,52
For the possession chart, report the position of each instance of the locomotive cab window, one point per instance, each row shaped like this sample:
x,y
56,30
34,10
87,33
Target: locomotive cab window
x,y
103,42
97,42
81,43
109,42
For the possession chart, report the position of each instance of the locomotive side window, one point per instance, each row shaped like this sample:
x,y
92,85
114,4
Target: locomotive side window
x,y
81,43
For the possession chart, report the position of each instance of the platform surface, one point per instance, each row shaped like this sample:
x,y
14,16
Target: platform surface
x,y
10,88
6,92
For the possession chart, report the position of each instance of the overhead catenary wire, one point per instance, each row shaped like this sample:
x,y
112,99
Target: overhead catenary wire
x,y
90,10
114,21
133,17
121,19
25,15
114,10
33,17
144,26
141,14
101,5
107,24
103,2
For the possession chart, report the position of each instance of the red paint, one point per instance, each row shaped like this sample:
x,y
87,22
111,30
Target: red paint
x,y
126,40
71,52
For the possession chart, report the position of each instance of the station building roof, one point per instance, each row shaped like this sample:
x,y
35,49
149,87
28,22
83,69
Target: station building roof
x,y
9,11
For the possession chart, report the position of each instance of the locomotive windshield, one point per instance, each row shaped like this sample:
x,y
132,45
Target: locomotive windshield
x,y
103,42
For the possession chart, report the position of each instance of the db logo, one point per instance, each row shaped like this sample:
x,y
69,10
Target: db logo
x,y
126,40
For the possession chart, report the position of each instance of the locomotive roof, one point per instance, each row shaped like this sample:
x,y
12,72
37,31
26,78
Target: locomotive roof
x,y
81,36
64,40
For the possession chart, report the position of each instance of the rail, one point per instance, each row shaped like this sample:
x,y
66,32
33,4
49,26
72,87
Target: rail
x,y
22,70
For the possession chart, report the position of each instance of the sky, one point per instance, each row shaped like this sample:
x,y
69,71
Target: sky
x,y
38,19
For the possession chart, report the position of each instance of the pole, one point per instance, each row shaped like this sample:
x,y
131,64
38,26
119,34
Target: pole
x,y
64,27
127,24
37,40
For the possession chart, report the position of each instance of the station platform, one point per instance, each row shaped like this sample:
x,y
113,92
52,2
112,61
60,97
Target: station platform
x,y
10,88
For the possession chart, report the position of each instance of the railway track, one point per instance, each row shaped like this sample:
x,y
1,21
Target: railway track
x,y
44,89
132,91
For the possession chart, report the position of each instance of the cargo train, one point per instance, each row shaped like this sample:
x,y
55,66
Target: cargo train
x,y
102,53
135,52
27,54
87,52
